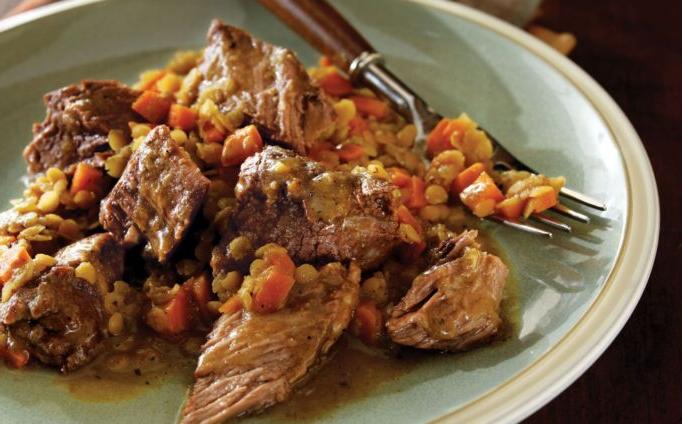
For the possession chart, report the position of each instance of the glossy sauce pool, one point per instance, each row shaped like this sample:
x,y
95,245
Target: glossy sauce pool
x,y
354,371
127,368
350,373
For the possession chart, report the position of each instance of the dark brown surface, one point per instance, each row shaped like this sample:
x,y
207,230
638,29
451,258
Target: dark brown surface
x,y
633,50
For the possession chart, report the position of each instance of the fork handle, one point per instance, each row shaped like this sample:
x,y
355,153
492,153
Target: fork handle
x,y
329,32
322,26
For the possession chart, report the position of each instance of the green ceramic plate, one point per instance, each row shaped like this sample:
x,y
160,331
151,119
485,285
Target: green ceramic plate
x,y
575,292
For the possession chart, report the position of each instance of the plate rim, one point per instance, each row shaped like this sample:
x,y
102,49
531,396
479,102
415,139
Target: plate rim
x,y
563,363
566,360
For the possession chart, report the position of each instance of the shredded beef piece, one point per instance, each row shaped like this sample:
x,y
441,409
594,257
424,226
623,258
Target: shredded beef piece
x,y
455,304
59,318
252,361
77,123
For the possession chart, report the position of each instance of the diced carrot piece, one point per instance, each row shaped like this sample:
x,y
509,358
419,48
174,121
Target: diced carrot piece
x,y
240,145
465,178
182,117
437,141
152,106
86,178
511,208
231,305
367,322
11,259
405,217
280,261
442,136
357,126
325,61
212,134
370,106
482,195
177,313
350,152
399,177
335,84
417,197
541,198
455,131
272,293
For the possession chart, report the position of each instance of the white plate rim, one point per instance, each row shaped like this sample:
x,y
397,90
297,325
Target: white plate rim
x,y
546,377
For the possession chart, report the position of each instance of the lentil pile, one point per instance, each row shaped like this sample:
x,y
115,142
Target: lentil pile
x,y
436,199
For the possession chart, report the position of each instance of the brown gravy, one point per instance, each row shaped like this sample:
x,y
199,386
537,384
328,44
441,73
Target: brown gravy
x,y
354,371
351,373
127,368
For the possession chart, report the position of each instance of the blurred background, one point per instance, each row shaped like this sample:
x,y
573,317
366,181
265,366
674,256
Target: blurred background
x,y
632,49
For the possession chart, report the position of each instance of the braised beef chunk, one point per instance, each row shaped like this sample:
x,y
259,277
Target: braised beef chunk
x,y
58,317
78,120
269,85
316,215
455,304
102,251
252,361
157,197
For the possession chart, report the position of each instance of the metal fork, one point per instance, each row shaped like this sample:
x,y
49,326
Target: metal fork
x,y
322,26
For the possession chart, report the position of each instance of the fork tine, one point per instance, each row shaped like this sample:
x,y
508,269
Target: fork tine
x,y
527,228
582,198
551,222
418,112
566,211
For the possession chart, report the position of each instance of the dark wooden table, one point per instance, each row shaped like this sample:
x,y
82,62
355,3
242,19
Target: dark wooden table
x,y
632,48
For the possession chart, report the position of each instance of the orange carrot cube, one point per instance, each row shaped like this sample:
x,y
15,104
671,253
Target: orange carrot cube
x,y
182,117
465,178
481,196
240,145
152,106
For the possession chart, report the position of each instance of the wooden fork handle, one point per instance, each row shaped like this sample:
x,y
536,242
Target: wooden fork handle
x,y
323,27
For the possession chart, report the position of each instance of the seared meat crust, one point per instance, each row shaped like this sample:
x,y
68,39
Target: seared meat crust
x,y
78,121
